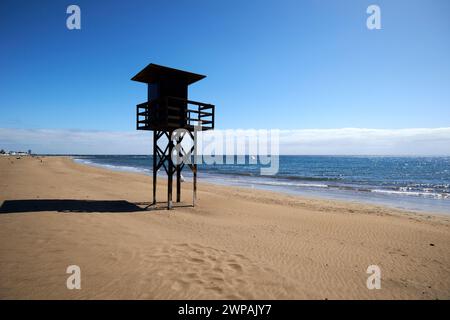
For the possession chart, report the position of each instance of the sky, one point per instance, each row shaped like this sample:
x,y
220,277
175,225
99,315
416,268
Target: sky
x,y
300,66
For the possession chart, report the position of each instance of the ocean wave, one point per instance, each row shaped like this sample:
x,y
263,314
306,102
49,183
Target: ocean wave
x,y
289,184
111,166
424,193
280,177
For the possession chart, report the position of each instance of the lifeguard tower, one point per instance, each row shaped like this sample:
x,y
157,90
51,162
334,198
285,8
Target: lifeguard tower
x,y
167,109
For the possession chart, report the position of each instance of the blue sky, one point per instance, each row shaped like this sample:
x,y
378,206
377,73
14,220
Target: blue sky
x,y
270,64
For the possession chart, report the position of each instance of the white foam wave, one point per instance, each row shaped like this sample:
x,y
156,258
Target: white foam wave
x,y
112,167
427,193
294,184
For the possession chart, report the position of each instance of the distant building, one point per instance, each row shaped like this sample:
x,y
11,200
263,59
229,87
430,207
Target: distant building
x,y
15,153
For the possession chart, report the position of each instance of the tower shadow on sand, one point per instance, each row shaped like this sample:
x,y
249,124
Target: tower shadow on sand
x,y
65,205
71,205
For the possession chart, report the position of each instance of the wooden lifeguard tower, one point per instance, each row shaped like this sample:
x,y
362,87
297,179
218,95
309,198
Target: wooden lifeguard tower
x,y
167,109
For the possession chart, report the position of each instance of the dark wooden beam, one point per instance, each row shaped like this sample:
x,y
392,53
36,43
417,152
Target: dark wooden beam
x,y
170,172
155,169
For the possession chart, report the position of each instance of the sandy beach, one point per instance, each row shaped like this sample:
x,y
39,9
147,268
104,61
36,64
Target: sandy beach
x,y
235,244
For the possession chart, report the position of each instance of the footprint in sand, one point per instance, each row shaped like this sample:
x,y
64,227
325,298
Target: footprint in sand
x,y
196,271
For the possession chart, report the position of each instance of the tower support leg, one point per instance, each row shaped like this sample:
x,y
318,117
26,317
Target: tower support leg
x,y
162,157
194,167
170,169
155,169
178,166
194,192
178,183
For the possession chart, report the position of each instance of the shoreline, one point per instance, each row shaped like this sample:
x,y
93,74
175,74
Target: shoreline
x,y
391,201
237,243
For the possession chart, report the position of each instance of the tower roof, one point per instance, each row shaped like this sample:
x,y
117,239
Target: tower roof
x,y
153,73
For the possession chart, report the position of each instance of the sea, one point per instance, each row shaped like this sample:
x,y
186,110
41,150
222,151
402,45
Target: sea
x,y
412,183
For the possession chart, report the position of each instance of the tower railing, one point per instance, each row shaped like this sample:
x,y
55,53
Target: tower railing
x,y
167,113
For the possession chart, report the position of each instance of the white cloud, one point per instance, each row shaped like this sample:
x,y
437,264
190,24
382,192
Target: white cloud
x,y
55,141
345,141
420,141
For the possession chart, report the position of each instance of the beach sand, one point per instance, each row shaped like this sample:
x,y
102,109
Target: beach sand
x,y
235,244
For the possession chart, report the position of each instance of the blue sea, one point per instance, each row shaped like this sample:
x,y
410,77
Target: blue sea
x,y
413,183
